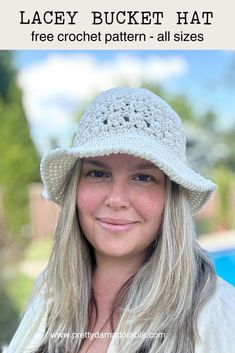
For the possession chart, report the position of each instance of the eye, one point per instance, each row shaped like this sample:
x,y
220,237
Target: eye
x,y
143,178
97,174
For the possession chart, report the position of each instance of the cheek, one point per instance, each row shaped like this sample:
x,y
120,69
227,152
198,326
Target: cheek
x,y
88,199
151,205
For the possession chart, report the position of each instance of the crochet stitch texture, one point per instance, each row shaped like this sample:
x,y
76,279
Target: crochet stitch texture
x,y
133,121
135,111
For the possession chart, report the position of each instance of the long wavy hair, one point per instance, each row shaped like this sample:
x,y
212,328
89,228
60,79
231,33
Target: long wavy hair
x,y
159,305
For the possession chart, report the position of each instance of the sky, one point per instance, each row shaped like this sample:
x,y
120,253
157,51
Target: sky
x,y
56,85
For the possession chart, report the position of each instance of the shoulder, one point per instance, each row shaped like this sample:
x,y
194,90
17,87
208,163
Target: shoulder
x,y
216,322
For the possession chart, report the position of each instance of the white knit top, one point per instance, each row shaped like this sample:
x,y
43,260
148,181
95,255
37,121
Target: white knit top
x,y
216,324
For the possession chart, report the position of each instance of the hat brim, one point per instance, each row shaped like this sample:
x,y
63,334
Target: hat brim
x,y
58,163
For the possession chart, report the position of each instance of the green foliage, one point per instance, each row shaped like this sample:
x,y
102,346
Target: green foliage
x,y
227,139
16,283
14,294
22,284
9,318
155,88
178,102
183,108
209,120
225,180
39,250
7,74
18,161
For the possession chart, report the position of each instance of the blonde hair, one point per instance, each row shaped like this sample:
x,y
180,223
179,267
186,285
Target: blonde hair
x,y
165,296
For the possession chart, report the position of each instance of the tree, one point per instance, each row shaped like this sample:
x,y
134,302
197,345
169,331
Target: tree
x,y
7,74
18,159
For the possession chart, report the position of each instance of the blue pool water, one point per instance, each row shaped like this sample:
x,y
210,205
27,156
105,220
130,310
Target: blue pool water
x,y
224,262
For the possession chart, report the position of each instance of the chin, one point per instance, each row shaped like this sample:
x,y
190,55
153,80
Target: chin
x,y
119,252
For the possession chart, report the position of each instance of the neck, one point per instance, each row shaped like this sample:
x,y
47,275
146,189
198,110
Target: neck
x,y
112,273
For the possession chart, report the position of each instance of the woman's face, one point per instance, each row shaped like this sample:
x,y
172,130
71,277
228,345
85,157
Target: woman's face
x,y
120,202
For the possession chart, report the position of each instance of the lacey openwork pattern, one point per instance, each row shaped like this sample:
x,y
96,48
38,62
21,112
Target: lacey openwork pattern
x,y
128,110
133,121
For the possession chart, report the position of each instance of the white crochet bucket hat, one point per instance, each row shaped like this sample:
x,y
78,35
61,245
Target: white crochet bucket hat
x,y
133,121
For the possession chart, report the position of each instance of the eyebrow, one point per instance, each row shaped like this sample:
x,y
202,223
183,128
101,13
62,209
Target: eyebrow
x,y
141,166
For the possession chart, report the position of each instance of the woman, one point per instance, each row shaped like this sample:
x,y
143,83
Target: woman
x,y
126,273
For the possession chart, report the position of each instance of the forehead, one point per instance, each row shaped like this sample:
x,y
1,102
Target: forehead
x,y
120,159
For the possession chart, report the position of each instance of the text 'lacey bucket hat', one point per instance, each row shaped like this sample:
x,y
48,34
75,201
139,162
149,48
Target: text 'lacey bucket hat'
x,y
133,121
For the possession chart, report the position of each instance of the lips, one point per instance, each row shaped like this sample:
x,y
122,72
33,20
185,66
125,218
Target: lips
x,y
116,225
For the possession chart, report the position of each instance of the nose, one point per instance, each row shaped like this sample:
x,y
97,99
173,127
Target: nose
x,y
118,196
